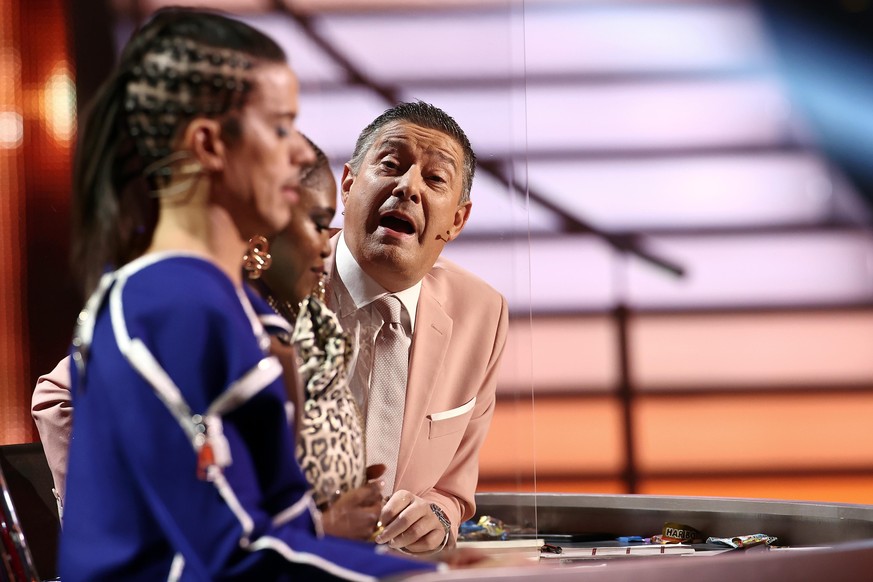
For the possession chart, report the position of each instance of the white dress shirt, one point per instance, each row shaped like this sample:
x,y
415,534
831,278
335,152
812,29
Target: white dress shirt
x,y
355,292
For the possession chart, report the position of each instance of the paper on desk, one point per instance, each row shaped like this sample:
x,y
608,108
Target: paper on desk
x,y
619,551
496,546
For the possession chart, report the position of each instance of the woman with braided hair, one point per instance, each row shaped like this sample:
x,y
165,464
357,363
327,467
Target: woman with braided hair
x,y
179,462
329,438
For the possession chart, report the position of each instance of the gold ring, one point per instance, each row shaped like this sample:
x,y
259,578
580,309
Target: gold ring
x,y
376,532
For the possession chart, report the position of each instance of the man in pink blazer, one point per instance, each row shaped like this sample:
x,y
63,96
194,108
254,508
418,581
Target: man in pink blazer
x,y
406,193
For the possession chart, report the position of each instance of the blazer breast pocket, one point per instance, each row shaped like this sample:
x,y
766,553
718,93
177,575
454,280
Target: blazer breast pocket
x,y
450,421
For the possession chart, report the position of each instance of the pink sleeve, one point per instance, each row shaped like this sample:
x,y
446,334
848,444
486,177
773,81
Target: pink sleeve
x,y
52,410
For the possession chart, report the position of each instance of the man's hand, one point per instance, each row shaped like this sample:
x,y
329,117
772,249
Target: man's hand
x,y
410,524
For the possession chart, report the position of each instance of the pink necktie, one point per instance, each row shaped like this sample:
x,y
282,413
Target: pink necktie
x,y
387,394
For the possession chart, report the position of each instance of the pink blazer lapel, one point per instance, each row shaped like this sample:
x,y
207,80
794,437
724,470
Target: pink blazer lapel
x,y
430,342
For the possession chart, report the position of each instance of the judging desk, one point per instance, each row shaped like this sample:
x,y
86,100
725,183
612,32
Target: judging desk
x,y
816,541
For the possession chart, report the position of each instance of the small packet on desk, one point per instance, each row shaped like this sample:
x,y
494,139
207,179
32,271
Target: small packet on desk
x,y
487,528
677,533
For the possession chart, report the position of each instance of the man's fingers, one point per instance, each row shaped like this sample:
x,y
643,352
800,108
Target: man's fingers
x,y
410,524
395,506
419,537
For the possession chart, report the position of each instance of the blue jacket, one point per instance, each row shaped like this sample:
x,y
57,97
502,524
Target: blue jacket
x,y
182,458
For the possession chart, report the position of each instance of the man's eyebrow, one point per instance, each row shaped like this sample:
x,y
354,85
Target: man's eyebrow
x,y
400,144
446,158
391,143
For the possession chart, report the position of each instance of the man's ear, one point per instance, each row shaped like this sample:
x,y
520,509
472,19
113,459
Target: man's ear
x,y
203,138
462,215
346,183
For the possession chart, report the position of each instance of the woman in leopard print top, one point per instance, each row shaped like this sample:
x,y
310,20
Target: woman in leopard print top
x,y
330,438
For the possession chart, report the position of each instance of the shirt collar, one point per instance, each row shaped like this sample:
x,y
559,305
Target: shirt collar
x,y
363,289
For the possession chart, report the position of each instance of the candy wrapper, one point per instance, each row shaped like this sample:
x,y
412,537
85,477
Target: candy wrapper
x,y
486,528
677,533
746,541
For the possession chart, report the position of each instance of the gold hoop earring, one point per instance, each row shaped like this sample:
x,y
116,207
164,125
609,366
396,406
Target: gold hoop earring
x,y
257,259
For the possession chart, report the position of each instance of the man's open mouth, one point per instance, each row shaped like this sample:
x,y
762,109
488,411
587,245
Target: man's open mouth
x,y
397,224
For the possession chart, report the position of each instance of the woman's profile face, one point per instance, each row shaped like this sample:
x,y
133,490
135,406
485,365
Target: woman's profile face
x,y
261,176
302,248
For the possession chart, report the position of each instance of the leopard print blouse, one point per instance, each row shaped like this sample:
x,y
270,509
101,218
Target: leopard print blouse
x,y
330,443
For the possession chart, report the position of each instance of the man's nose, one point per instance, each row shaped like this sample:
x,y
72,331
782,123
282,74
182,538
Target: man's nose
x,y
409,185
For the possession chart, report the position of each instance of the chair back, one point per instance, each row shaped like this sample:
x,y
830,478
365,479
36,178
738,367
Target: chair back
x,y
29,523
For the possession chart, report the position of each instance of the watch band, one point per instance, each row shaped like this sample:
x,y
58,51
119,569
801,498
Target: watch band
x,y
444,520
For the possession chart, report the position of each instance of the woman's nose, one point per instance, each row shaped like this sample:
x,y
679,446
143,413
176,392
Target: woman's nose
x,y
302,153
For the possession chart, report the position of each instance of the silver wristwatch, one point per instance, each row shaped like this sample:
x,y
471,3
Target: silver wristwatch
x,y
447,525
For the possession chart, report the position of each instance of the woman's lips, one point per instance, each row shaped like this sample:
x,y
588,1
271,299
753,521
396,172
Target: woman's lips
x,y
291,194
